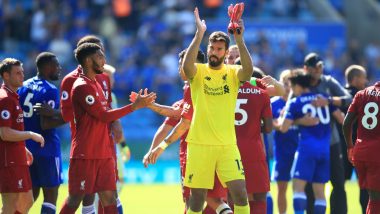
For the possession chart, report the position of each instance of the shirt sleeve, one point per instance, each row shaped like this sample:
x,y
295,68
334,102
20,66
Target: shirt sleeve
x,y
338,91
267,110
85,95
6,112
65,100
354,107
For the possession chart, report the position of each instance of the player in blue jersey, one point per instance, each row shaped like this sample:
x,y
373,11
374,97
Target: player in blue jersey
x,y
312,159
46,170
285,145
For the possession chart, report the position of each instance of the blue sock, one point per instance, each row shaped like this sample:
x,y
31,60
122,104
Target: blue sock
x,y
48,208
320,206
119,206
269,204
299,202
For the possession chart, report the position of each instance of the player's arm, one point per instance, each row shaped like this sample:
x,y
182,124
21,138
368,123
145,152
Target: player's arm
x,y
51,122
177,132
12,135
285,125
349,120
192,51
307,120
273,87
338,115
159,136
267,125
338,96
246,70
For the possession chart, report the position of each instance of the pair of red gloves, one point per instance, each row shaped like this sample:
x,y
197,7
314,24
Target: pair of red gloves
x,y
235,13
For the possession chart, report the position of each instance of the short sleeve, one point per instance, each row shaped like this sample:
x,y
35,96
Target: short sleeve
x,y
87,98
6,110
65,100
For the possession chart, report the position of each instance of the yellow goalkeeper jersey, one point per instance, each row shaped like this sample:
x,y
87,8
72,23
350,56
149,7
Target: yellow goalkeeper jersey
x,y
214,94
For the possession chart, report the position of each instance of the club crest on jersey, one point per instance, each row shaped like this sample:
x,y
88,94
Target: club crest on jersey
x,y
65,95
5,114
90,99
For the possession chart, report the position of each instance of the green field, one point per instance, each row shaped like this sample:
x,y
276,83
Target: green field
x,y
139,199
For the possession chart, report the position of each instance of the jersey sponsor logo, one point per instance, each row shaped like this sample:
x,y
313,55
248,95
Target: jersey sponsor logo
x,y
65,95
5,114
90,99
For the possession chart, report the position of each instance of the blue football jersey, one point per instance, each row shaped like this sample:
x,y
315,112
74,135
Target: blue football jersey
x,y
284,142
36,90
313,138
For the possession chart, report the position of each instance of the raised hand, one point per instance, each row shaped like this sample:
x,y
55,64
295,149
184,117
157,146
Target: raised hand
x,y
201,24
143,100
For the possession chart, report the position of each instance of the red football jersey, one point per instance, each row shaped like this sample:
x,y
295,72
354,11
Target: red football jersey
x,y
170,120
252,105
92,115
366,105
259,83
11,115
67,85
188,110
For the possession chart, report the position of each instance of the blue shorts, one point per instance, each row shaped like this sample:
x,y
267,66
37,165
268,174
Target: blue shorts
x,y
311,167
282,166
46,171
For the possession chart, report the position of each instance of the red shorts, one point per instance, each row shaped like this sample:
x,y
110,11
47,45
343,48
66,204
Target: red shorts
x,y
369,175
217,192
256,177
91,176
15,179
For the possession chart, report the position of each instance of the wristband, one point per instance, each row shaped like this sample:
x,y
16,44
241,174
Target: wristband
x,y
163,145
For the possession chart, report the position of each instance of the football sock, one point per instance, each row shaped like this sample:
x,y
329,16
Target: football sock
x,y
373,207
299,202
241,209
223,209
67,210
119,206
269,203
90,209
258,207
208,210
110,209
48,208
320,206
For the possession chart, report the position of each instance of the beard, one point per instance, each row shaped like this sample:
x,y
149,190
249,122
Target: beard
x,y
216,63
97,68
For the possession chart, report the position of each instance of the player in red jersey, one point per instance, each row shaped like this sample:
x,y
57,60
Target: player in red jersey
x,y
365,154
252,107
67,111
92,167
181,125
15,181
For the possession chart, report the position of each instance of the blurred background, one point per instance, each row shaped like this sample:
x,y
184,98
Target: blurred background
x,y
142,39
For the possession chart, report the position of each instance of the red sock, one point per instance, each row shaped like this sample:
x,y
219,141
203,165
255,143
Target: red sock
x,y
67,210
100,208
208,210
373,207
110,209
17,212
258,207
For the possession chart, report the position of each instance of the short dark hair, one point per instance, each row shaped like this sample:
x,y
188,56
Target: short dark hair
x,y
200,57
353,71
44,58
312,60
84,50
220,36
89,39
302,79
7,64
257,72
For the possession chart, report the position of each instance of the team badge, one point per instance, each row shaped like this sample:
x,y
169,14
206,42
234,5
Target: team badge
x,y
51,103
90,100
5,114
65,95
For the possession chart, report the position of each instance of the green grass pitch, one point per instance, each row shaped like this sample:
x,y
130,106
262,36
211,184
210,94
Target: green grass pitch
x,y
159,198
